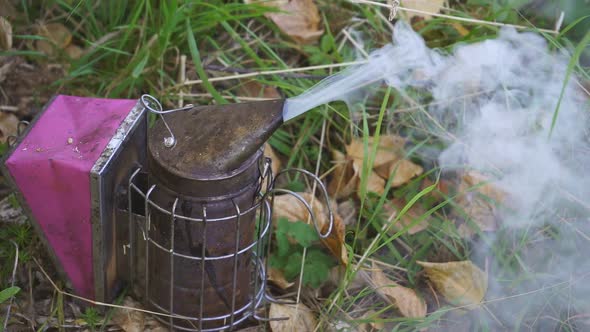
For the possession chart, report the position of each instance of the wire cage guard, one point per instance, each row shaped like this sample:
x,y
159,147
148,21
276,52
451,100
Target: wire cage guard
x,y
145,243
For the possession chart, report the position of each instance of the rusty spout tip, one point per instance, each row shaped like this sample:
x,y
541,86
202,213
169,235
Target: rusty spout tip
x,y
214,140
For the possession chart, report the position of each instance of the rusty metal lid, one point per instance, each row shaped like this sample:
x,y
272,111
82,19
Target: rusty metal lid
x,y
214,145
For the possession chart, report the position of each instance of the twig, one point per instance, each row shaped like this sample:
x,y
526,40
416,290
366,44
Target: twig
x,y
13,280
181,79
241,98
451,17
116,306
246,71
315,185
272,72
8,108
355,44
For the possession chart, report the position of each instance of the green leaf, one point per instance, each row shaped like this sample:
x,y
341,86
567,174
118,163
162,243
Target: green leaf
x,y
317,267
303,233
196,55
283,244
293,265
8,293
140,66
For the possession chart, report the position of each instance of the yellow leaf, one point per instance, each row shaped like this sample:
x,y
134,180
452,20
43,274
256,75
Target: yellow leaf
x,y
8,125
404,299
57,36
74,52
389,149
269,152
288,206
253,88
5,34
127,319
402,171
410,217
299,19
301,318
278,278
460,29
374,183
426,6
344,181
478,199
461,283
335,241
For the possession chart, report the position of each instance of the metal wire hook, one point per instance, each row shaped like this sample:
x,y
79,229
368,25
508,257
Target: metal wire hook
x,y
307,205
153,105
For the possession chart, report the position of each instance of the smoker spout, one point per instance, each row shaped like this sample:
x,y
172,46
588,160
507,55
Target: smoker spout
x,y
216,139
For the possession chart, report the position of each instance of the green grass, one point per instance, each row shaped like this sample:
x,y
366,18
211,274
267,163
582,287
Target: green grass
x,y
135,48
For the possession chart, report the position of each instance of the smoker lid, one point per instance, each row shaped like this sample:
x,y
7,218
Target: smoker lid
x,y
213,141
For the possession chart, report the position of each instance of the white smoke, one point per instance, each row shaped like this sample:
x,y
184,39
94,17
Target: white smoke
x,y
504,129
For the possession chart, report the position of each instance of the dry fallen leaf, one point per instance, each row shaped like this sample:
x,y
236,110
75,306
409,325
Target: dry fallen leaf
x,y
127,319
289,207
404,299
428,6
343,182
253,88
278,278
389,149
375,183
299,19
269,152
5,34
335,241
8,125
402,171
410,217
301,318
74,52
461,283
57,36
477,199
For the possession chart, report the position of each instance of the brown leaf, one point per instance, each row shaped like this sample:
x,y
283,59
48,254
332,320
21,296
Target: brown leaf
x,y
404,299
441,191
5,34
299,19
269,152
74,52
410,217
402,171
8,125
389,149
301,318
374,184
288,206
278,278
344,181
477,199
57,36
253,88
429,6
461,283
129,320
335,241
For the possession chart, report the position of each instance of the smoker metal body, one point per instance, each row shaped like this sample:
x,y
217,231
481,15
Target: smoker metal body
x,y
185,225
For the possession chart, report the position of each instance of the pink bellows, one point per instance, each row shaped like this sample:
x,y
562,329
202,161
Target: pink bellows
x,y
51,167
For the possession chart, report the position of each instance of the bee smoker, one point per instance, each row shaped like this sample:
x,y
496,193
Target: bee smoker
x,y
178,212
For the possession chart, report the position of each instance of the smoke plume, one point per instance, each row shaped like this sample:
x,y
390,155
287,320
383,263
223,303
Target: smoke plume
x,y
493,104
